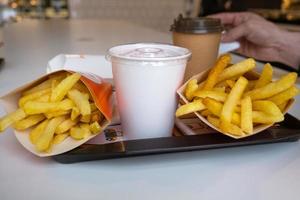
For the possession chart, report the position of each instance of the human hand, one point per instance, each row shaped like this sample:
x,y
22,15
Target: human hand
x,y
260,38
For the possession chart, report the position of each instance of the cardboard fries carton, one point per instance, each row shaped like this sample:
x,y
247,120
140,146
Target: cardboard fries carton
x,y
201,77
101,92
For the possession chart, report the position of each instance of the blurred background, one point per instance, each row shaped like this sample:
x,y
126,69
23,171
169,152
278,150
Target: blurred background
x,y
157,14
154,14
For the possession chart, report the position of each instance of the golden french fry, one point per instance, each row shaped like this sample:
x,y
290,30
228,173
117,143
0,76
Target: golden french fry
x,y
194,106
57,113
246,115
219,96
215,72
93,107
37,131
82,88
230,83
264,118
282,106
65,126
251,85
269,108
33,96
45,84
96,116
85,118
237,69
190,88
215,108
63,87
205,113
265,77
232,129
75,113
28,122
60,138
32,107
213,120
219,89
77,133
95,127
42,86
80,101
273,88
11,118
284,96
86,128
44,98
44,141
231,102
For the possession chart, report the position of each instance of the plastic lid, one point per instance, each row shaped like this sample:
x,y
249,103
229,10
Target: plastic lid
x,y
196,25
149,52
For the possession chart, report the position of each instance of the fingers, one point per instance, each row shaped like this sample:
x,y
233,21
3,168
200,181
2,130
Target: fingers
x,y
234,18
235,33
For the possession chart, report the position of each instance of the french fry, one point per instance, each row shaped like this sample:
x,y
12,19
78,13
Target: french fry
x,y
205,113
190,88
46,137
269,108
86,128
251,85
95,127
75,113
80,101
57,113
11,118
265,77
237,69
77,133
231,102
219,96
60,138
32,107
28,122
264,118
215,108
33,96
85,118
63,87
82,88
45,84
273,88
219,89
37,131
215,72
194,106
230,83
232,129
282,106
213,120
65,126
93,107
246,115
96,116
44,98
284,96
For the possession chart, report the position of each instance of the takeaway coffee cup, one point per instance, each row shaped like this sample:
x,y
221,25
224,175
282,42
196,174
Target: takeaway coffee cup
x,y
146,77
202,37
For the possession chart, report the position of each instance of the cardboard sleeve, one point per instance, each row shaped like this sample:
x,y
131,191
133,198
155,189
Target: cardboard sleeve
x,y
101,92
201,77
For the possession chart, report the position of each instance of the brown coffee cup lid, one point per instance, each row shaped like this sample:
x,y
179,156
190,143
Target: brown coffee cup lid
x,y
196,25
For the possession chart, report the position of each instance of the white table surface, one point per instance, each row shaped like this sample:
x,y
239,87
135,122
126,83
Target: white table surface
x,y
254,172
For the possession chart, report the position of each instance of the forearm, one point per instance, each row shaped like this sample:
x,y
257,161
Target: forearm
x,y
289,49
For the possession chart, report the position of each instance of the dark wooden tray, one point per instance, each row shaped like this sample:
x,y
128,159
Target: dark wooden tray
x,y
286,131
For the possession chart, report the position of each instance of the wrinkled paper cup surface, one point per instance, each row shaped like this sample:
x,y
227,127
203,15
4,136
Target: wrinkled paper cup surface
x,y
201,77
101,92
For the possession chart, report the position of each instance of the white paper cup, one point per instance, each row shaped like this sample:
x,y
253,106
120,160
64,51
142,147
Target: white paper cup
x,y
146,77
